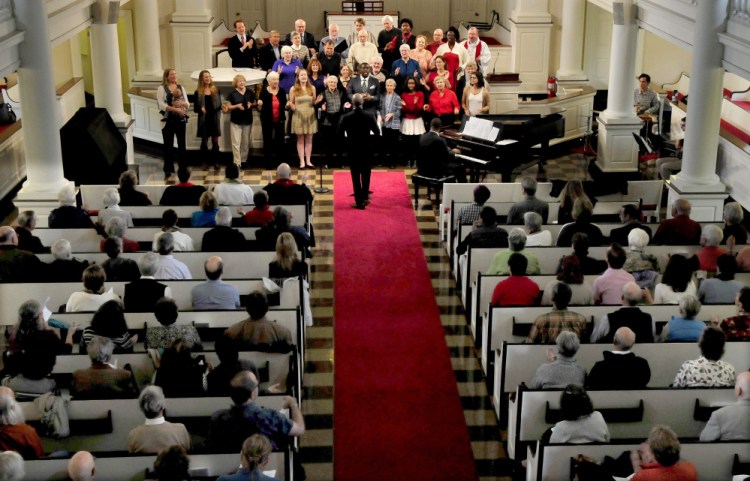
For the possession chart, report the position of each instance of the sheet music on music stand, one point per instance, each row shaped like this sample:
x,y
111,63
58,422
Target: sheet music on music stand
x,y
482,129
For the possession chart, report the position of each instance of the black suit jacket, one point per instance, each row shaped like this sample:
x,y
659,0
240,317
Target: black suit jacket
x,y
29,242
372,87
307,40
182,195
359,127
69,270
434,155
620,235
240,58
267,57
619,371
141,295
223,239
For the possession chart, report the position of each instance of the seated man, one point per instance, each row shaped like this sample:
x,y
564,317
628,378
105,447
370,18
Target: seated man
x,y
629,315
17,265
183,192
156,434
142,294
486,233
101,380
223,237
668,166
229,428
436,160
548,326
232,191
182,241
284,191
28,242
81,467
517,244
214,294
630,216
68,215
620,369
516,290
118,268
731,423
64,267
169,267
562,368
470,213
259,333
529,204
282,222
680,229
737,327
589,265
608,286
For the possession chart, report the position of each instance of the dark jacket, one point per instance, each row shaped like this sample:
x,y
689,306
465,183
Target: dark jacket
x,y
619,371
266,110
638,321
223,239
182,195
620,235
69,217
434,155
17,265
483,236
68,270
29,242
141,295
267,57
360,128
242,59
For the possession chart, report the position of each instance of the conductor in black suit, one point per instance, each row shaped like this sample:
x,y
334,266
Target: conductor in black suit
x,y
435,158
241,47
366,85
360,128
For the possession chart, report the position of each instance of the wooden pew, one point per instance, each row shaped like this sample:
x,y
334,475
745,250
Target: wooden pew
x,y
713,461
532,412
92,195
517,363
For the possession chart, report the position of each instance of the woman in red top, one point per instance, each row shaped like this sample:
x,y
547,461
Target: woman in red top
x,y
661,460
443,103
439,72
15,434
412,124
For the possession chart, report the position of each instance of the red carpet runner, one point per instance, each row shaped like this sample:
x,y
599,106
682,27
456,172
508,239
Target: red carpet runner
x,y
397,413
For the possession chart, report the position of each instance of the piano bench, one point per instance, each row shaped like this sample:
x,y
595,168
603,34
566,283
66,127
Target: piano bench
x,y
430,183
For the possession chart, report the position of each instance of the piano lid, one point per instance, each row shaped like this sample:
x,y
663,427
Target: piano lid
x,y
534,111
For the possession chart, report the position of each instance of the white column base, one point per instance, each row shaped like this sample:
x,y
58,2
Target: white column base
x,y
126,130
617,150
40,201
571,77
708,206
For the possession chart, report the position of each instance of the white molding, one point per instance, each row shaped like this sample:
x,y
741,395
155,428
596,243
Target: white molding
x,y
671,25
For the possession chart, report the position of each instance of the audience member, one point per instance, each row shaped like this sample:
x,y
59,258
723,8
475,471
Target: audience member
x,y
708,370
230,427
629,315
179,374
562,369
580,424
182,241
284,191
621,368
710,251
258,333
516,245
26,221
156,434
572,191
231,191
529,204
517,289
64,267
17,265
643,266
223,237
684,327
731,423
485,233
737,327
116,228
168,331
630,216
676,282
183,192
11,466
254,455
535,236
109,321
67,215
582,212
721,289
169,267
220,376
548,326
128,194
287,263
215,294
660,460
589,265
571,276
733,215
116,267
102,380
259,215
172,464
81,467
142,294
680,229
608,286
282,219
206,217
15,434
93,295
743,260
111,203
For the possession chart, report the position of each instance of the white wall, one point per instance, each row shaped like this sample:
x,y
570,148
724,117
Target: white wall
x,y
663,60
597,45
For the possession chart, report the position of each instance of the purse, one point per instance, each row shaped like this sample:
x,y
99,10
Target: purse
x,y
7,116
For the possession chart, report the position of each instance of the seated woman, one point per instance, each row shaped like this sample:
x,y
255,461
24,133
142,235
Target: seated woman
x,y
535,236
572,191
589,265
661,458
68,215
109,321
128,194
179,374
733,215
685,327
710,251
161,337
64,267
172,464
722,289
676,282
206,217
254,455
93,295
582,212
111,201
287,263
737,327
571,275
116,227
15,434
516,245
643,266
580,423
562,369
708,370
229,365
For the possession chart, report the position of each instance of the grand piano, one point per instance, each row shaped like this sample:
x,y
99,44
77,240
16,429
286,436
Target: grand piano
x,y
510,146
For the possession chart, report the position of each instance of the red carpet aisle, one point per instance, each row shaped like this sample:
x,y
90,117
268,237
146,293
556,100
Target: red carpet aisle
x,y
397,411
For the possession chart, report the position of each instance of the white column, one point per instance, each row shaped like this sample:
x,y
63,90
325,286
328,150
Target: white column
x,y
41,139
530,32
191,37
105,61
571,41
192,11
148,42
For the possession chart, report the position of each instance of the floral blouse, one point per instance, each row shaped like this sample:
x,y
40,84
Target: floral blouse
x,y
704,373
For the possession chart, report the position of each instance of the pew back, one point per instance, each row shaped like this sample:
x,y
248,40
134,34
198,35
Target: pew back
x,y
92,195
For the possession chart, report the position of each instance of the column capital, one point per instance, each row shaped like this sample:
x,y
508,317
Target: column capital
x,y
531,11
191,11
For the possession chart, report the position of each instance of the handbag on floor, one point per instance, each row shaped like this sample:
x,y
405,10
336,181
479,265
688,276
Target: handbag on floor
x,y
7,116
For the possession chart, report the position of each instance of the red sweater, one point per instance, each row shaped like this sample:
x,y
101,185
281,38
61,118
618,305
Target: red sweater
x,y
412,110
443,104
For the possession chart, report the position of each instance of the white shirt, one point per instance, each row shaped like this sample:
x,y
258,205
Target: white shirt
x,y
233,193
483,61
664,294
182,241
458,49
155,421
167,289
87,302
171,269
539,239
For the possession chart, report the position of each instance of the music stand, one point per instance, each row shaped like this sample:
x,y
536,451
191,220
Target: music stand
x,y
320,189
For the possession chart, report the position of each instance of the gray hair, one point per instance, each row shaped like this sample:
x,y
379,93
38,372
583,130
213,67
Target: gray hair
x,y
165,243
404,46
66,196
272,76
148,263
387,18
712,234
517,239
624,338
61,249
283,171
26,218
533,221
528,184
152,401
357,100
100,349
223,216
567,343
30,311
632,293
110,197
690,306
11,466
638,239
733,213
11,413
376,58
285,49
116,227
682,206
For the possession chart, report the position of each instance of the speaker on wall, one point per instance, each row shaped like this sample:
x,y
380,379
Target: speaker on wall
x,y
93,150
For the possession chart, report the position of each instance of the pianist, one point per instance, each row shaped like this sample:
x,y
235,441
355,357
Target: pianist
x,y
435,158
646,101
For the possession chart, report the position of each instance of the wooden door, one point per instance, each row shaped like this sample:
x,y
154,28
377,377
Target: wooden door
x,y
469,11
248,10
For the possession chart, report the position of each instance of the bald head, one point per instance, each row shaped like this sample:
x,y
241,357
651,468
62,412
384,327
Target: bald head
x,y
742,386
81,466
284,171
681,207
8,236
631,294
214,267
624,339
